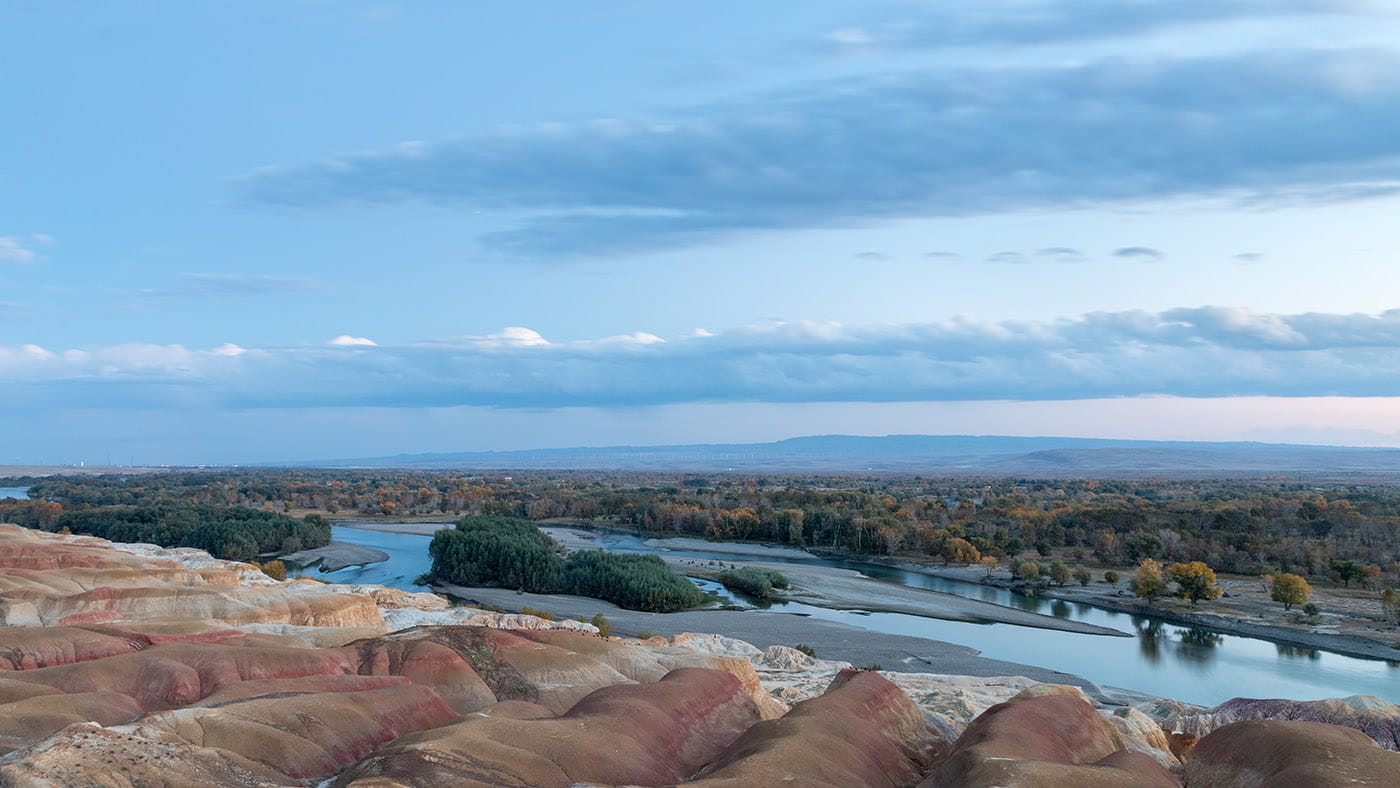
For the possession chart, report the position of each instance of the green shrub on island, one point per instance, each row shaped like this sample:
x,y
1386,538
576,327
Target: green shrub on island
x,y
235,533
753,581
512,553
636,582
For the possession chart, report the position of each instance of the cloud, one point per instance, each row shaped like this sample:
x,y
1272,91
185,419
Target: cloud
x,y
1145,254
980,23
13,248
12,310
345,340
1060,254
1248,258
1196,352
1015,258
865,149
227,285
875,257
943,256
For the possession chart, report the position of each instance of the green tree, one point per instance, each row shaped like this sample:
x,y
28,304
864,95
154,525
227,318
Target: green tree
x,y
601,622
1194,581
1028,571
1148,583
1110,577
1347,571
1290,590
1082,576
1059,573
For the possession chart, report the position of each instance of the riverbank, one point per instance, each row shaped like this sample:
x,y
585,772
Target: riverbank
x,y
832,640
335,556
1247,598
1108,597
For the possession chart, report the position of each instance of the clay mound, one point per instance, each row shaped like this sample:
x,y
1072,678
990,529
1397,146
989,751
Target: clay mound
x,y
93,757
178,674
1045,740
1372,716
863,732
425,662
1286,753
304,685
652,734
33,718
26,648
306,736
512,666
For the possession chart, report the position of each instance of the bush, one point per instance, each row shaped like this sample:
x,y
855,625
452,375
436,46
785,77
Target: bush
x,y
273,569
600,621
1110,577
753,581
806,649
530,611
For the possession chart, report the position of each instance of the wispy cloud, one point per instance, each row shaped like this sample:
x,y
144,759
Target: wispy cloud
x,y
914,144
20,249
1198,352
1145,254
874,257
964,23
236,286
1060,254
12,310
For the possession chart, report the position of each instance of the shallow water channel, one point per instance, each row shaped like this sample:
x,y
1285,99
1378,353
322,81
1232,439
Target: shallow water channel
x,y
1188,663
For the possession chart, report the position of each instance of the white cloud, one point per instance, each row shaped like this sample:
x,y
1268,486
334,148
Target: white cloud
x,y
1195,352
345,340
12,250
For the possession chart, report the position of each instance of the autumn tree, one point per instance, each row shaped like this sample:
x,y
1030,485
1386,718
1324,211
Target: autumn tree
x,y
1110,577
1082,576
1290,590
961,551
1028,571
1148,583
1194,581
989,563
1059,573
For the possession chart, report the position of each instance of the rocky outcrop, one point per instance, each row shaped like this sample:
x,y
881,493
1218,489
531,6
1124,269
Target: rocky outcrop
x,y
1045,739
862,732
1287,753
96,757
657,734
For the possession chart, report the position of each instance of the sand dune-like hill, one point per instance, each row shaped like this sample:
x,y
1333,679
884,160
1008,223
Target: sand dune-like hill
x,y
132,665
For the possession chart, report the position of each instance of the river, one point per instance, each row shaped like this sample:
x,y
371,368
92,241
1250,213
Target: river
x,y
22,493
1191,664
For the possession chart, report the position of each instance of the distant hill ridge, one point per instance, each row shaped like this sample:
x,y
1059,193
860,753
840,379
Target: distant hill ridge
x,y
969,454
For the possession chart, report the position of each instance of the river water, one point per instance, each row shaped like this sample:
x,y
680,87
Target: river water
x,y
1188,663
21,493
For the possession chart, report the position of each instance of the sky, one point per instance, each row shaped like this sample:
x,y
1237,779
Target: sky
x,y
268,230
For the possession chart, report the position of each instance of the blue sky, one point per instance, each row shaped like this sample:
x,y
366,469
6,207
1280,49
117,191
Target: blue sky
x,y
242,231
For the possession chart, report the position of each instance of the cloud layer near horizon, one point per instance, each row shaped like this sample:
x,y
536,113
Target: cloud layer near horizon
x,y
1197,352
1259,125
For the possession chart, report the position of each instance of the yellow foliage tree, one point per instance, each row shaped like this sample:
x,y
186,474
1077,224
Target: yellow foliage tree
x,y
961,551
1149,583
1290,590
1194,581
